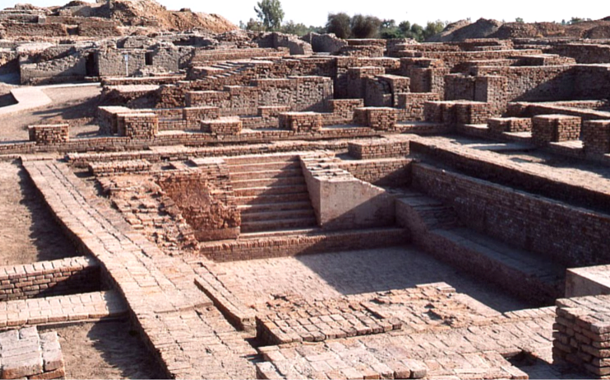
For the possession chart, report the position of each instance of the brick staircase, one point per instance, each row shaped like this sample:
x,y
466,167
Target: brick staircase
x,y
436,228
271,193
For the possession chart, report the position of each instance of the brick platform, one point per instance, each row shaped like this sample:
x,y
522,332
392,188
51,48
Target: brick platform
x,y
26,354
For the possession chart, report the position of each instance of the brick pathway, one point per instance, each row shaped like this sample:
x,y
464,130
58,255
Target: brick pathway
x,y
159,289
60,309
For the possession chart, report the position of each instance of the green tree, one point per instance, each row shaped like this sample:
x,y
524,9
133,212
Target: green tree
x,y
270,14
365,26
519,20
433,28
339,24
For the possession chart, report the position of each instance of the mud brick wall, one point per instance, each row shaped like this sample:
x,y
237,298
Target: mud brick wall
x,y
222,126
13,29
70,68
378,118
499,125
377,148
111,168
112,62
49,278
49,134
534,83
591,82
520,219
413,104
555,128
192,115
356,79
583,53
459,86
524,109
457,112
596,137
581,334
362,51
218,99
138,126
98,28
301,121
206,200
343,109
387,172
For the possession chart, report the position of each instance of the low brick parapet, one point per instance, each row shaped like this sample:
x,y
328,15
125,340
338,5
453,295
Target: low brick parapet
x,y
138,125
301,121
378,118
596,137
499,125
582,334
555,128
222,126
377,148
75,274
49,133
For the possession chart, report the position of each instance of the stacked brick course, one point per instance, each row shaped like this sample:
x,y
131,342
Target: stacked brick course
x,y
301,121
378,118
49,134
26,354
78,274
222,126
596,137
138,126
499,125
582,334
413,103
555,128
377,148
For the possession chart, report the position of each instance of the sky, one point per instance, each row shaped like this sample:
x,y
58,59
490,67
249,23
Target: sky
x,y
315,12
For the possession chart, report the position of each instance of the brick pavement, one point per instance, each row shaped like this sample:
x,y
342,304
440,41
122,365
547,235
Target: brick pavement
x,y
62,309
159,289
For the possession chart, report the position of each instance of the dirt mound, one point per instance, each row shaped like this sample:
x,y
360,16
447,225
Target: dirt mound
x,y
484,28
463,30
149,12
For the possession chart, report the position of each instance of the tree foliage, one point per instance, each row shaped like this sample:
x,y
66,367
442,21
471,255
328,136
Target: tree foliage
x,y
270,14
339,24
365,26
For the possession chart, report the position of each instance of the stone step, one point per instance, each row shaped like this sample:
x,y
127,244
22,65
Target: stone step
x,y
279,173
266,182
263,166
277,206
271,190
529,276
271,198
304,212
279,224
284,243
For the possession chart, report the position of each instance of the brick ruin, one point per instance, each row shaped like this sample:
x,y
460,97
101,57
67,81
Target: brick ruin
x,y
220,153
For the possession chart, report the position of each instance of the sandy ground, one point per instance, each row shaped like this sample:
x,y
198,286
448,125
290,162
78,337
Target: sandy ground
x,y
28,231
105,350
74,105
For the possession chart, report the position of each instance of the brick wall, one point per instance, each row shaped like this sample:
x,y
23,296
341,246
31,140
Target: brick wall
x,y
205,199
300,121
532,223
395,172
555,128
596,137
49,134
377,148
49,278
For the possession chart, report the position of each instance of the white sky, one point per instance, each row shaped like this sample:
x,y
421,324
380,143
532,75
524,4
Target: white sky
x,y
315,12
